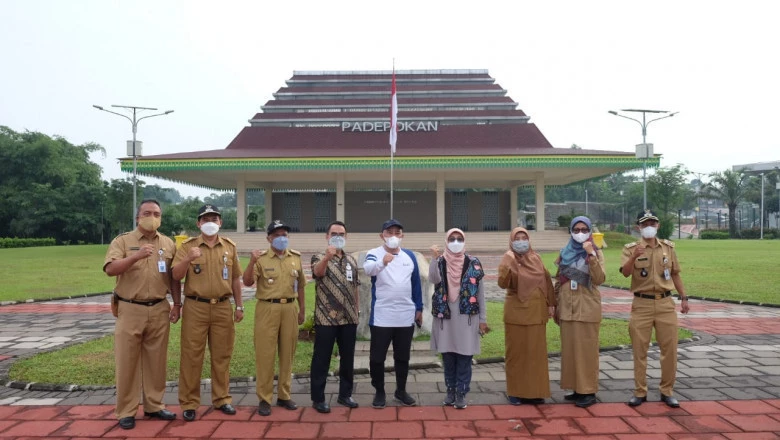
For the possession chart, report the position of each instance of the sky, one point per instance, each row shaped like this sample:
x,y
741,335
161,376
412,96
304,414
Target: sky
x,y
566,64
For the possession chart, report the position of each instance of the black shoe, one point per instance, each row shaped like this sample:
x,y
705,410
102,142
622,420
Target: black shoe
x,y
321,407
264,409
670,401
515,400
286,404
636,401
349,402
572,396
127,422
535,401
585,400
227,409
162,414
188,415
404,398
379,400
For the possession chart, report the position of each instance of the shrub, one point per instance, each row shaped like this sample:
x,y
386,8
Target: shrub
x,y
714,234
564,221
8,242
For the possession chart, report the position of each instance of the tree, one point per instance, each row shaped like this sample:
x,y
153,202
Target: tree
x,y
730,187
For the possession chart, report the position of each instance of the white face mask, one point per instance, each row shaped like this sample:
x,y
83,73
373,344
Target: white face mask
x,y
649,232
521,246
393,242
580,237
337,242
456,246
209,228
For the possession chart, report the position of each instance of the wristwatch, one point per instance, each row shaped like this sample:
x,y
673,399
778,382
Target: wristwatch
x,y
240,308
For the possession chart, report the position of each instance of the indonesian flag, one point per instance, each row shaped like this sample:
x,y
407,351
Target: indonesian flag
x,y
393,117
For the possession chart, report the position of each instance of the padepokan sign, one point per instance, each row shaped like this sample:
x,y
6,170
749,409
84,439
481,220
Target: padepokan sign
x,y
358,126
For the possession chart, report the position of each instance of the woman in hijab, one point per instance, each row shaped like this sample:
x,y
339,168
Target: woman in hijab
x,y
530,302
580,272
459,316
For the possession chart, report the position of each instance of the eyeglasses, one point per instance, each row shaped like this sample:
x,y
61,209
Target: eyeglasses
x,y
580,230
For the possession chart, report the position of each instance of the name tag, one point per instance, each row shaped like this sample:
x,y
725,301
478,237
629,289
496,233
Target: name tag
x,y
161,266
667,275
573,284
349,272
224,273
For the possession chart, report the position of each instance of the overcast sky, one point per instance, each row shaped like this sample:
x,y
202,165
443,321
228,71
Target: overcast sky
x,y
566,63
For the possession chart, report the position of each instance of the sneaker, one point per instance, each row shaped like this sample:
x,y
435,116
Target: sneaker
x,y
450,400
460,401
404,398
379,400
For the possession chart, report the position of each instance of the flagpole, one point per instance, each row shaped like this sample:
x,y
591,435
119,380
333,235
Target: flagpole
x,y
393,134
392,154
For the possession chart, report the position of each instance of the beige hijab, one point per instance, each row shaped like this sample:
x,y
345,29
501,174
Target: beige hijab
x,y
529,268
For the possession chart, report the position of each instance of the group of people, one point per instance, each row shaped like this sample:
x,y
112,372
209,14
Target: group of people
x,y
148,267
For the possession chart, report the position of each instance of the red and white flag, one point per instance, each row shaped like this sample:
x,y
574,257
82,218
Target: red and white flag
x,y
393,117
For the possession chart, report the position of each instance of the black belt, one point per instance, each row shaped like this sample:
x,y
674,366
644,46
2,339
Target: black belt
x,y
140,303
280,300
207,300
653,295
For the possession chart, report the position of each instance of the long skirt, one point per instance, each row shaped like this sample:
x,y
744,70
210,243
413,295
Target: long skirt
x,y
580,356
527,374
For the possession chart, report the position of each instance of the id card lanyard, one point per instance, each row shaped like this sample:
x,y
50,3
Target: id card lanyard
x,y
161,262
224,268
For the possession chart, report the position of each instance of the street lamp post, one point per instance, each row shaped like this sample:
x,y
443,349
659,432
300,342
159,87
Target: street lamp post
x,y
134,121
645,147
762,206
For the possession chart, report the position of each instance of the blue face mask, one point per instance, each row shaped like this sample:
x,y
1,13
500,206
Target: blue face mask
x,y
280,243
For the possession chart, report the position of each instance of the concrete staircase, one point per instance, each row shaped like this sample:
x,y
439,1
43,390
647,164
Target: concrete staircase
x,y
419,241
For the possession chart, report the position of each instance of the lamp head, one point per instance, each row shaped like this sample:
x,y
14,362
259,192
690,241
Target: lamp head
x,y
168,112
612,112
97,107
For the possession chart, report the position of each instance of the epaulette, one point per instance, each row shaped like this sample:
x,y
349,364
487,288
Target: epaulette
x,y
229,241
294,252
668,242
630,245
122,234
263,252
189,239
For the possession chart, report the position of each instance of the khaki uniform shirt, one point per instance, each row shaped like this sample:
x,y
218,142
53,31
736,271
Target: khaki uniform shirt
x,y
279,277
335,301
205,275
648,273
143,281
584,303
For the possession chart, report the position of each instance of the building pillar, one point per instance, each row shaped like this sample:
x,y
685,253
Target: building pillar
x,y
241,205
269,203
340,197
512,206
440,214
540,201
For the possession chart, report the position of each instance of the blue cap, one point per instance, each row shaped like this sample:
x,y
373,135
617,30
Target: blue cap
x,y
390,223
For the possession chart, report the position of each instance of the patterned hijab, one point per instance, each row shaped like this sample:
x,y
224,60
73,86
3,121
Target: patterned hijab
x,y
454,266
573,260
528,267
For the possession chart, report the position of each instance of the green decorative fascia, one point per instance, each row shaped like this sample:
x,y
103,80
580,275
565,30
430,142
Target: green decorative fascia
x,y
150,166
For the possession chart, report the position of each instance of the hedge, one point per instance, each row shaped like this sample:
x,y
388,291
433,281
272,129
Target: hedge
x,y
8,242
709,234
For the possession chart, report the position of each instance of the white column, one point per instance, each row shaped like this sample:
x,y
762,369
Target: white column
x,y
241,205
340,197
269,202
512,206
440,216
540,201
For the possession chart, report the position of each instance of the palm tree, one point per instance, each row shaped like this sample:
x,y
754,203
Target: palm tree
x,y
731,187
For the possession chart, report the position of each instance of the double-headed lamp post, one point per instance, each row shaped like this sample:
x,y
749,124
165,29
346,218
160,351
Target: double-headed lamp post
x,y
646,149
134,121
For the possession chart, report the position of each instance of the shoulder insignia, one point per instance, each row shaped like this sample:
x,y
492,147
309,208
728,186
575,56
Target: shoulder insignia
x,y
668,242
630,245
229,240
189,239
294,252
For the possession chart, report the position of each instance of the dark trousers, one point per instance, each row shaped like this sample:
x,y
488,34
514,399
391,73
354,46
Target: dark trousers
x,y
457,371
381,337
324,337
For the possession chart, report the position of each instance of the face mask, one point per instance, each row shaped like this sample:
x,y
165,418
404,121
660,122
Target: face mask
x,y
209,228
649,232
337,242
580,237
280,243
393,242
456,246
149,223
521,246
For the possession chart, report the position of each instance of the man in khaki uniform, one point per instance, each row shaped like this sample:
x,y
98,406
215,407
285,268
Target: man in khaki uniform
x,y
652,265
210,263
280,280
141,262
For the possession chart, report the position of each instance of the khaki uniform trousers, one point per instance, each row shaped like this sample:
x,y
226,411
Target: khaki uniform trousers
x,y
201,323
276,327
580,356
660,314
527,374
141,351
